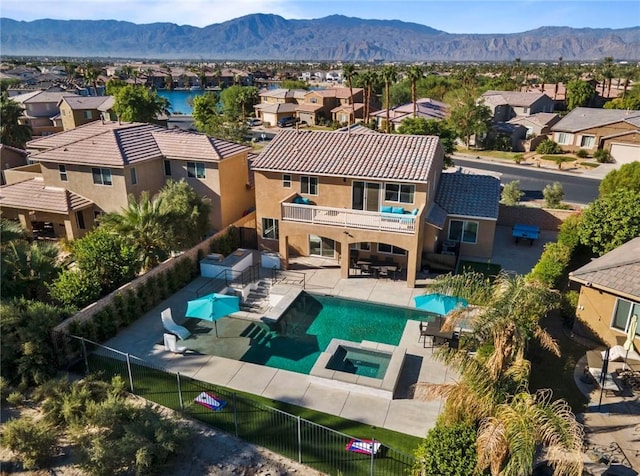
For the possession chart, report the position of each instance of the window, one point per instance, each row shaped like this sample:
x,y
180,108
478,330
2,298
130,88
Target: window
x,y
167,168
463,231
314,100
134,176
564,138
80,220
309,185
390,249
622,315
88,114
101,176
195,169
587,142
270,229
63,172
398,192
286,180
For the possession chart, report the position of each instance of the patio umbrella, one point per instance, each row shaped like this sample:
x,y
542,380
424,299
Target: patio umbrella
x,y
213,307
439,303
631,334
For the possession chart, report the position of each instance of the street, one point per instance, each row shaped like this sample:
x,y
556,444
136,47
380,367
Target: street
x,y
577,189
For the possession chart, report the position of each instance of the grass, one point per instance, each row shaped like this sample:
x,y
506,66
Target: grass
x,y
557,157
264,422
488,269
498,154
592,165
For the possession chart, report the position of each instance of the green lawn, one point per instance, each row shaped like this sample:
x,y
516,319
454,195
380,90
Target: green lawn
x,y
488,269
270,423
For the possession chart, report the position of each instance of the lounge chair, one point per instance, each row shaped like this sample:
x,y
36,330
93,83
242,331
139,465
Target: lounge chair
x,y
171,344
171,326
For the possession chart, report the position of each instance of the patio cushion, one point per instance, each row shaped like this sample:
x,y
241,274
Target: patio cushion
x,y
397,210
415,211
386,209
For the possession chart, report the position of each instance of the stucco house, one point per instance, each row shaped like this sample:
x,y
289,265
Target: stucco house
x,y
41,111
278,103
92,169
610,293
10,157
426,108
383,196
505,105
331,104
78,110
614,130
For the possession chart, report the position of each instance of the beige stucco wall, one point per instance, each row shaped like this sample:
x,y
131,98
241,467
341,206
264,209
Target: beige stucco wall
x,y
486,232
598,133
236,197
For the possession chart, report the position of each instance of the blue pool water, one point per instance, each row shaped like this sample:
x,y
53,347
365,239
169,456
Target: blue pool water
x,y
306,329
181,102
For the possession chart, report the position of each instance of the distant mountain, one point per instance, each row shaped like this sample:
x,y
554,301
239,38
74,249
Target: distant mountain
x,y
336,37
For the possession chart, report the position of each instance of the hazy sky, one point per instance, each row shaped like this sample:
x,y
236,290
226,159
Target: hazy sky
x,y
473,16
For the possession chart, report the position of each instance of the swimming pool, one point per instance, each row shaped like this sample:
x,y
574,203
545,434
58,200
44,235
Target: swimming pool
x,y
312,321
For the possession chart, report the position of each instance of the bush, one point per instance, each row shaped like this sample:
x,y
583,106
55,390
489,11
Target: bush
x,y
33,441
603,156
568,306
582,154
552,264
548,146
15,399
518,158
447,449
569,234
511,193
553,195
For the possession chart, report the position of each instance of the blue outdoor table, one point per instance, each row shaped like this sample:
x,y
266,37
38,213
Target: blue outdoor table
x,y
528,232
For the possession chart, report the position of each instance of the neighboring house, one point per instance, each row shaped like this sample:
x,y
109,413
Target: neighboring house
x,y
426,108
614,130
78,110
537,128
278,103
93,169
41,111
10,157
505,105
332,193
610,293
331,104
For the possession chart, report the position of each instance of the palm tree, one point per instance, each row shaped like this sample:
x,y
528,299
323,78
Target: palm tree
x,y
369,79
389,75
144,224
349,71
12,133
608,73
414,73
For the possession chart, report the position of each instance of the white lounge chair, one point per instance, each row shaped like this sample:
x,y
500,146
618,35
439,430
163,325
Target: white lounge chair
x,y
171,344
170,325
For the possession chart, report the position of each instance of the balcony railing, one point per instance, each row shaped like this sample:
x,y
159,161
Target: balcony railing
x,y
347,218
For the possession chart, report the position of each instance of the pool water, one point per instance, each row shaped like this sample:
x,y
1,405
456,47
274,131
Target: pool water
x,y
360,362
307,327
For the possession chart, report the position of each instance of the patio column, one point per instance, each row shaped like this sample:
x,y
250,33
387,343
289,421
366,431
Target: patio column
x,y
412,267
70,229
344,259
284,251
25,222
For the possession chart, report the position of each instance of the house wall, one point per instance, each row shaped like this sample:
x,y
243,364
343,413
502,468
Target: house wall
x,y
236,197
483,248
73,118
597,132
10,159
208,186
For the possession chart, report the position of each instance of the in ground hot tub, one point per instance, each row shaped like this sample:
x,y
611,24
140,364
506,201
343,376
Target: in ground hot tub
x,y
366,367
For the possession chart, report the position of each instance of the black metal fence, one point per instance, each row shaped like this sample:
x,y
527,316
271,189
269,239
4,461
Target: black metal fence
x,y
309,443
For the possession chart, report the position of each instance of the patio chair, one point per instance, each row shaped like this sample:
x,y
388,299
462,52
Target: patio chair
x,y
171,326
171,344
424,333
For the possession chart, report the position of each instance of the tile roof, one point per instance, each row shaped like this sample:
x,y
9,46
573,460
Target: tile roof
x,y
278,108
117,145
540,119
582,118
374,156
425,107
34,195
618,270
513,98
467,194
283,93
86,102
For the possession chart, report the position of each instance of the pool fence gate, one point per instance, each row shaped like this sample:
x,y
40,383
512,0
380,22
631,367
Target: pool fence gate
x,y
296,438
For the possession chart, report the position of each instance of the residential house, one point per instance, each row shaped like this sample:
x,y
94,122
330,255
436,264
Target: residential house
x,y
426,108
41,111
614,130
93,169
538,128
10,157
278,103
331,104
610,293
335,193
505,105
78,110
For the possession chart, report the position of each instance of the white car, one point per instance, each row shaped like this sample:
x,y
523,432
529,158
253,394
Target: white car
x,y
254,122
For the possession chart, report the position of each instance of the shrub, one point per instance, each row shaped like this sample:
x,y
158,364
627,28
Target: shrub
x,y
552,264
569,234
568,306
518,158
553,194
583,154
603,156
511,193
447,449
15,399
33,441
548,146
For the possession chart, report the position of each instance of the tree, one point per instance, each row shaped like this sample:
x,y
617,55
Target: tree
x,y
349,71
432,127
144,223
236,98
27,267
468,118
205,107
12,133
389,75
447,449
139,104
626,177
511,193
414,73
553,195
611,221
32,440
579,93
369,79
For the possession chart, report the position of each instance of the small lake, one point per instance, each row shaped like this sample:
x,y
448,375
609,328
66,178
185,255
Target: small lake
x,y
181,101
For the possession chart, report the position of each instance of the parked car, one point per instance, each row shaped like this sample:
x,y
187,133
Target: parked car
x,y
288,121
254,122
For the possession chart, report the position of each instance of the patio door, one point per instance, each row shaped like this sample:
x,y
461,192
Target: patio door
x,y
319,246
366,196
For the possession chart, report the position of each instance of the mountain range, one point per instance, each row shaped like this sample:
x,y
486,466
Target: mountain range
x,y
333,38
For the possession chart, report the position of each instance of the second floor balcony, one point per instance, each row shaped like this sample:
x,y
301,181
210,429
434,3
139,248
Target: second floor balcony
x,y
348,218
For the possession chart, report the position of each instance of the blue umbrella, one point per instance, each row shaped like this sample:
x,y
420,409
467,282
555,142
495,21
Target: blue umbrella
x,y
213,307
439,303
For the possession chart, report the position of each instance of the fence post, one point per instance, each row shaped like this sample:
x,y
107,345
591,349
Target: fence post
x,y
299,440
130,375
180,391
235,414
84,354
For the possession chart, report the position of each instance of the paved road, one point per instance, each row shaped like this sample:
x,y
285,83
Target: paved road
x,y
577,188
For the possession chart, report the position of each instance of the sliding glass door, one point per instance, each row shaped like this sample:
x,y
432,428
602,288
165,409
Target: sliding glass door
x,y
366,196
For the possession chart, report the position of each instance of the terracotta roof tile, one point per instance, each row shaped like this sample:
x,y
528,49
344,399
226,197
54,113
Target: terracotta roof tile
x,y
375,156
34,195
183,144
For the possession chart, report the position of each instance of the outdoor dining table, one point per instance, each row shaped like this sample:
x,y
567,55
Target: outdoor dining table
x,y
378,267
